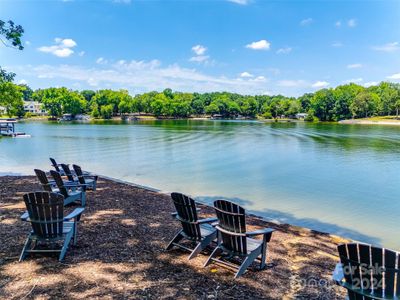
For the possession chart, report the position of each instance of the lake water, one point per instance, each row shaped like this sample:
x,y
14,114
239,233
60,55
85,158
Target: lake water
x,y
342,179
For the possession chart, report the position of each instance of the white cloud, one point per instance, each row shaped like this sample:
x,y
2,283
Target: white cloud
x,y
241,2
199,58
305,22
199,49
353,80
389,47
260,45
320,84
337,44
27,43
354,66
352,23
22,81
246,75
101,61
141,76
370,83
284,50
82,53
338,23
62,47
394,76
259,79
292,83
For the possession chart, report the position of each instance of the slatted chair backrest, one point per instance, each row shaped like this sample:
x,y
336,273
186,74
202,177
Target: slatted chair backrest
x,y
60,183
79,173
41,175
371,269
232,221
46,214
187,214
67,172
55,165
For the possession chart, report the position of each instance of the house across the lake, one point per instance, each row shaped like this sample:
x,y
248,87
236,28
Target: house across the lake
x,y
34,107
301,116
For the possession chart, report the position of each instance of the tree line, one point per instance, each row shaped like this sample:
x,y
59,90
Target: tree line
x,y
333,104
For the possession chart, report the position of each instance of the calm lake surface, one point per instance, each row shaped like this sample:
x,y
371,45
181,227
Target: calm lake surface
x,y
342,179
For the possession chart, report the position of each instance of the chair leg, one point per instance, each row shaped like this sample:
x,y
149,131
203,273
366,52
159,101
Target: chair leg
x,y
216,251
176,239
247,262
263,256
65,245
26,245
202,245
83,199
75,231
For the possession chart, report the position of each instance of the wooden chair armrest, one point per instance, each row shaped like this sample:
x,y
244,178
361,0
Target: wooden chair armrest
x,y
24,216
213,224
208,220
76,212
338,274
263,231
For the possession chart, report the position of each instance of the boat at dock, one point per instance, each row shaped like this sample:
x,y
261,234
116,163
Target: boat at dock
x,y
7,128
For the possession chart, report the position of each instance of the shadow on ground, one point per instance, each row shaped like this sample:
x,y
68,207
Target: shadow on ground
x,y
120,254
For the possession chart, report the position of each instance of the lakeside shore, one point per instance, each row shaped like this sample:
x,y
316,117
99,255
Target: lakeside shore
x,y
371,121
120,253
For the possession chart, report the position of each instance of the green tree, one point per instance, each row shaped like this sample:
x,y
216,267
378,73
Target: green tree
x,y
11,99
106,111
323,104
364,104
10,36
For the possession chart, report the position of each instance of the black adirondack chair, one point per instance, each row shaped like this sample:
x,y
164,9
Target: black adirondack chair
x,y
57,166
49,226
193,229
235,241
368,272
71,193
89,180
47,185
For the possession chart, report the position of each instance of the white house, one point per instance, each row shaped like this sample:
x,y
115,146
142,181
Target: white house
x,y
34,107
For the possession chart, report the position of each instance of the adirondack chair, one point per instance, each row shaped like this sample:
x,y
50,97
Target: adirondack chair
x,y
49,226
235,241
57,166
47,185
193,229
71,193
368,272
89,180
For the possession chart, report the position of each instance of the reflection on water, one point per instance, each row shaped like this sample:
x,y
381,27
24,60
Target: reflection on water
x,y
342,179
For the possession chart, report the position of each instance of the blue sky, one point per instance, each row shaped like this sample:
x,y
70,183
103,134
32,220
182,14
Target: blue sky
x,y
244,46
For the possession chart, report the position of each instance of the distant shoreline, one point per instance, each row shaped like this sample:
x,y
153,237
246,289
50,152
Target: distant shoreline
x,y
370,122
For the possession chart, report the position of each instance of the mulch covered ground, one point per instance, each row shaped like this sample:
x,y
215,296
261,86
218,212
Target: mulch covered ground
x,y
120,254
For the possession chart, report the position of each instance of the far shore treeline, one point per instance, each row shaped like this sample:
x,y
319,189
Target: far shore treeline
x,y
333,104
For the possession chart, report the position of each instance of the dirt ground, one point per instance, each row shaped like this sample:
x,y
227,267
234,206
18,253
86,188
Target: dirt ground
x,y
121,254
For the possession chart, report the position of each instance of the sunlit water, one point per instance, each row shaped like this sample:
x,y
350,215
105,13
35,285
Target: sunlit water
x,y
342,179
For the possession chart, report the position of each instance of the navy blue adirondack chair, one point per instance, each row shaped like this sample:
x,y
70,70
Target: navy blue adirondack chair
x,y
235,241
368,272
196,230
49,225
71,193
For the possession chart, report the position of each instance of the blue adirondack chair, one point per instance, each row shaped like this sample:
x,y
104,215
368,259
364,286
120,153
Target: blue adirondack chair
x,y
57,166
235,241
196,230
368,272
71,193
88,180
49,225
